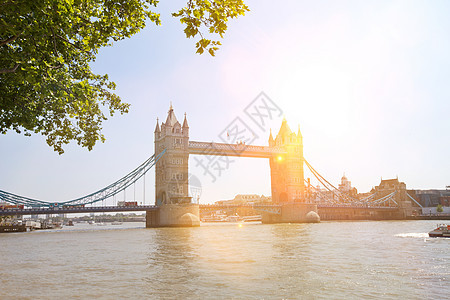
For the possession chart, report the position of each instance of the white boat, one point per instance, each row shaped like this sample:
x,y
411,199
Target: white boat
x,y
235,218
116,223
441,231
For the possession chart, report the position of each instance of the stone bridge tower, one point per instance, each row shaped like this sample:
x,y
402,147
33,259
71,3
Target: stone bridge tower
x,y
286,171
171,180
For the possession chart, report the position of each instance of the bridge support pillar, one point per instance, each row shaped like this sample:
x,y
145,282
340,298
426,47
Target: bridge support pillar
x,y
174,215
294,213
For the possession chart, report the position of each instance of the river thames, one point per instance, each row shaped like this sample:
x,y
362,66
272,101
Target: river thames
x,y
328,260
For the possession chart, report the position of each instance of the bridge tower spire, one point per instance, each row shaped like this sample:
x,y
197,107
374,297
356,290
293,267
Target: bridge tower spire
x,y
185,126
271,141
157,130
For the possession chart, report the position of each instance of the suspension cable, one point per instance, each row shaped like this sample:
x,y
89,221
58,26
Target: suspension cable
x,y
102,194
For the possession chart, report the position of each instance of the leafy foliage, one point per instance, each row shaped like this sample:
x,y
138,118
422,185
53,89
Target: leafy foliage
x,y
46,46
213,15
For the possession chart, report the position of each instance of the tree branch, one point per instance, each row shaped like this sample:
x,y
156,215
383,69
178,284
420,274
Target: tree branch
x,y
56,67
6,3
69,42
54,40
11,39
12,70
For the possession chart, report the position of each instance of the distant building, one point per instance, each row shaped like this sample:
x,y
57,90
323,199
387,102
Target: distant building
x,y
250,199
346,187
244,199
225,202
431,198
388,185
321,195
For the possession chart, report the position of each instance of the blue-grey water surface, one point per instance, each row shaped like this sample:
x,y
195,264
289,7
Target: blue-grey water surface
x,y
329,260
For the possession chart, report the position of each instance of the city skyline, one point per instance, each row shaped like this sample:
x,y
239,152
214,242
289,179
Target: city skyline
x,y
365,82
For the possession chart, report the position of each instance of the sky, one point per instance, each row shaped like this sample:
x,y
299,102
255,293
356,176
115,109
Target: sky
x,y
368,82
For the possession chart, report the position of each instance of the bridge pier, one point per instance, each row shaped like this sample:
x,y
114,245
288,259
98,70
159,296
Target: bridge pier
x,y
174,215
293,213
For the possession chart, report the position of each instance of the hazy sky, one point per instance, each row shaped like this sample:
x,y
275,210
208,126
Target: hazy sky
x,y
367,81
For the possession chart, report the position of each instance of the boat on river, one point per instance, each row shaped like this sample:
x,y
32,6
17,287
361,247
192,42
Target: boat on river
x,y
13,228
441,231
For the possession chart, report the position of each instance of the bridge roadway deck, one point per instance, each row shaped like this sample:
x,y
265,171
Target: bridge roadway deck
x,y
94,209
74,210
355,206
214,206
241,150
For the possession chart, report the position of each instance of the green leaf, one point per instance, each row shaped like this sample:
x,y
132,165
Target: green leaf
x,y
210,15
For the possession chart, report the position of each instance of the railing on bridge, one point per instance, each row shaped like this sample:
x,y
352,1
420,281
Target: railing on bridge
x,y
276,208
355,206
74,210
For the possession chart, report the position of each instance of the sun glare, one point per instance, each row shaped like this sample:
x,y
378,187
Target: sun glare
x,y
318,94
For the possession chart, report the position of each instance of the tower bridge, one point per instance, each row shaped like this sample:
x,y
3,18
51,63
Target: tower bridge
x,y
294,199
285,154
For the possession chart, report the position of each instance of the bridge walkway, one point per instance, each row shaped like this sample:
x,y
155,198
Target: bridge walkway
x,y
74,210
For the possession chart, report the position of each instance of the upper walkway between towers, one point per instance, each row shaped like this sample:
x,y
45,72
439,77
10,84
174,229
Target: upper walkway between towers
x,y
240,149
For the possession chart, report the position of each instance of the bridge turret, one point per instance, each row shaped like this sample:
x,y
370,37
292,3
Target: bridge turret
x,y
299,134
185,130
271,141
157,130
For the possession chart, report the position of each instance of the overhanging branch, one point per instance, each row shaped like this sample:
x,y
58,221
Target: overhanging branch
x,y
12,70
69,42
7,41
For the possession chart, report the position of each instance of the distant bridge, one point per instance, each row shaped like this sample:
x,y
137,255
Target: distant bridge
x,y
272,209
97,197
74,210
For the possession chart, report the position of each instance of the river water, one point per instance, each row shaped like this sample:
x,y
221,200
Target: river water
x,y
329,260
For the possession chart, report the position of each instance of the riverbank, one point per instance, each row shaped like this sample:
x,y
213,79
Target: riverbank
x,y
417,218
